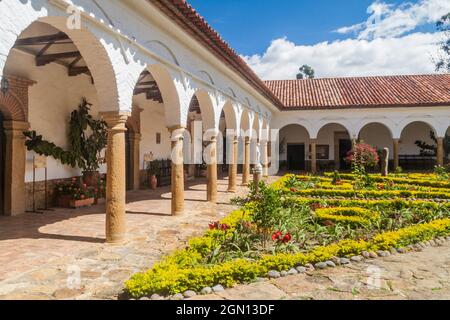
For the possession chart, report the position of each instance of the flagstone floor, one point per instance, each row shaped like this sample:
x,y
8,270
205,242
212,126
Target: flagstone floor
x,y
421,275
62,254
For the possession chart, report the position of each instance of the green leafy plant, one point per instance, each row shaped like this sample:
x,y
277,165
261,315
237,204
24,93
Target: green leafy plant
x,y
87,139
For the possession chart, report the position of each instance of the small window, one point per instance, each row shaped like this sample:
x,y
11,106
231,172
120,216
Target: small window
x,y
158,138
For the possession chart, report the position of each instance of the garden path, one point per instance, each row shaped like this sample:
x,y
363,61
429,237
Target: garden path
x,y
62,254
415,275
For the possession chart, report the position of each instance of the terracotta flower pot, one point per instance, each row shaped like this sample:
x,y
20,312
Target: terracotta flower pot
x,y
153,181
81,203
90,178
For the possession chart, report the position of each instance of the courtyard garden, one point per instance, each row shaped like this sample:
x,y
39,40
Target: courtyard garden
x,y
305,222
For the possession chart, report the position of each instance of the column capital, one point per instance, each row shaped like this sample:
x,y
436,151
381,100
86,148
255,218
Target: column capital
x,y
177,132
116,120
135,136
15,129
16,125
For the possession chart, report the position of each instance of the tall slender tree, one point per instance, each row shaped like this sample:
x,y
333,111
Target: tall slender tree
x,y
443,61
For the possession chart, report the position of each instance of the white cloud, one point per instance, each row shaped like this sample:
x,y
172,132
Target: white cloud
x,y
387,20
384,44
410,54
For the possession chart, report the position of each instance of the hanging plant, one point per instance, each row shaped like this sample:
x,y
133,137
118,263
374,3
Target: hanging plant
x,y
87,138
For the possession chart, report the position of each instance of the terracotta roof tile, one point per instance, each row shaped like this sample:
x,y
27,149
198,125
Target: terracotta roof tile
x,y
360,92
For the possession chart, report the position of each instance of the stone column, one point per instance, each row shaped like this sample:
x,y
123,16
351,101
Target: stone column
x,y
211,187
233,166
313,156
15,160
440,152
246,169
395,153
265,159
177,179
115,176
135,142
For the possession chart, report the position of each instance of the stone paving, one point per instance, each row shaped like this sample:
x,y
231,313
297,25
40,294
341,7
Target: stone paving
x,y
62,254
411,276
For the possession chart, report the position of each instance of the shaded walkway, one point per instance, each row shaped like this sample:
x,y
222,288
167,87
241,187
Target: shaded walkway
x,y
41,254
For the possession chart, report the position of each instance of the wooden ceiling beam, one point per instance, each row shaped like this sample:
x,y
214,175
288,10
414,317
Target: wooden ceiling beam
x,y
42,39
48,58
75,71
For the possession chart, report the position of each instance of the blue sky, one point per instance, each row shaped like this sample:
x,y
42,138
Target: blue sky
x,y
252,27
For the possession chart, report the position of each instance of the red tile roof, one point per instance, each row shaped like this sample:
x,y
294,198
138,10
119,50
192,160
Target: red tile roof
x,y
192,22
363,92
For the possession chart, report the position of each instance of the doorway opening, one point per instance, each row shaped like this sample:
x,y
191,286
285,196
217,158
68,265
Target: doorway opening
x,y
296,157
345,146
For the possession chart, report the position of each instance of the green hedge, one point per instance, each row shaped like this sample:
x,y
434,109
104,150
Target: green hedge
x,y
170,277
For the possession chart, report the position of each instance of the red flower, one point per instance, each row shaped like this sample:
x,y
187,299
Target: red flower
x,y
224,227
214,225
277,236
287,238
293,190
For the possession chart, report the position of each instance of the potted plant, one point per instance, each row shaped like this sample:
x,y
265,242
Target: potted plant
x,y
73,194
64,191
100,191
88,147
83,196
153,169
87,138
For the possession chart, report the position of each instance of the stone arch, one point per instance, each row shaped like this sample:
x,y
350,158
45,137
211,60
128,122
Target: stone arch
x,y
412,132
207,109
257,126
96,49
230,113
378,135
246,123
168,90
315,131
12,107
296,137
339,139
404,125
367,123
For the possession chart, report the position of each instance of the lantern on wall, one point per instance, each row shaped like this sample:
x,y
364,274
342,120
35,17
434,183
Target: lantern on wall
x,y
4,86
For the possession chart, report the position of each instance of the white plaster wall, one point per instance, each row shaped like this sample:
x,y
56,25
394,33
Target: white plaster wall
x,y
51,100
152,122
293,134
378,136
396,119
412,133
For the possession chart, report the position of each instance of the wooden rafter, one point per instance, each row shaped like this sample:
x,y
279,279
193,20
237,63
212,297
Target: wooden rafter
x,y
48,58
41,40
48,41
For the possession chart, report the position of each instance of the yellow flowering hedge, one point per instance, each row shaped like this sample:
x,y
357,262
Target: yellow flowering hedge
x,y
372,194
184,269
170,277
351,215
425,180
